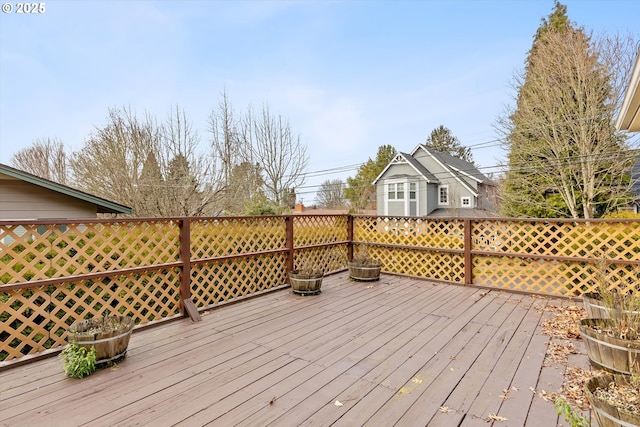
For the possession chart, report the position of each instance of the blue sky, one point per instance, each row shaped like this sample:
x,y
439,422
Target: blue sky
x,y
349,75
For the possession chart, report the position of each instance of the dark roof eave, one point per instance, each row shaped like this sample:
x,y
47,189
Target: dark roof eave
x,y
103,205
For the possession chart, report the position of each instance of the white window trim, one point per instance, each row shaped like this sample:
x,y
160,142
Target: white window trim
x,y
446,187
406,192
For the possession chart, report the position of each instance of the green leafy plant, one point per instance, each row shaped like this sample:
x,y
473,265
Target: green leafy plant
x,y
570,415
78,362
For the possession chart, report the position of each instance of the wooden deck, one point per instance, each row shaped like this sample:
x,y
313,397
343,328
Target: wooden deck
x,y
395,352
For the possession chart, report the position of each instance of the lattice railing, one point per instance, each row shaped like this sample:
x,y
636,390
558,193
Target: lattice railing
x,y
37,318
53,274
557,257
220,281
315,230
429,233
49,251
224,236
614,240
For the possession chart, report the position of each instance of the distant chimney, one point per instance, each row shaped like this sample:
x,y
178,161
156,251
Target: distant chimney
x,y
299,207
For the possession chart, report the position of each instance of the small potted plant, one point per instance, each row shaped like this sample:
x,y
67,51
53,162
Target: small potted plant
x,y
364,268
306,280
78,362
107,335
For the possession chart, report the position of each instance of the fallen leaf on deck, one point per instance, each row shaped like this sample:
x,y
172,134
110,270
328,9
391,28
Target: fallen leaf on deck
x,y
338,403
416,380
444,409
273,400
494,417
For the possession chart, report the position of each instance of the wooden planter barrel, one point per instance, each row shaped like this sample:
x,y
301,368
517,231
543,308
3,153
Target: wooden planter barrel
x,y
597,309
613,354
365,272
606,414
305,283
108,335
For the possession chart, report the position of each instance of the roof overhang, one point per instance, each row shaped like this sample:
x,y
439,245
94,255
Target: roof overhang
x,y
102,205
629,115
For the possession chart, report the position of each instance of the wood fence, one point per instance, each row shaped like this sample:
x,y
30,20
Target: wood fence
x,y
54,273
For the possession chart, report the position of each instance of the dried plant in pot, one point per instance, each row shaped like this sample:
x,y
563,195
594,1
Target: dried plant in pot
x,y
614,343
364,268
615,399
108,335
306,280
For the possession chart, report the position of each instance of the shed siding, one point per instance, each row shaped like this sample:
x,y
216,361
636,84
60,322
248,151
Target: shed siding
x,y
380,198
21,200
432,198
396,208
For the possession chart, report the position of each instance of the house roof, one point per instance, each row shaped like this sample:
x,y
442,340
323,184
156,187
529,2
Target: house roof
x,y
415,164
454,164
462,213
103,205
629,115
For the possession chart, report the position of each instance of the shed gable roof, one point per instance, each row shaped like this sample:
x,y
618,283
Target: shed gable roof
x,y
454,165
404,158
103,205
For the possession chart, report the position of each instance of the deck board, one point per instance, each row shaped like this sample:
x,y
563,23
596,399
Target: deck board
x,y
393,352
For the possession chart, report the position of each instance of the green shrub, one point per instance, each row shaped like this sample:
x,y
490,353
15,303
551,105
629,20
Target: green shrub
x,y
78,362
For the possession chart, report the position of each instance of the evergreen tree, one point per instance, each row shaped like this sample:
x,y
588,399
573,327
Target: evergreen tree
x,y
565,157
360,189
441,139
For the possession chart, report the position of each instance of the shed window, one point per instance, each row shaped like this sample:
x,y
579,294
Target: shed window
x,y
396,191
443,195
466,202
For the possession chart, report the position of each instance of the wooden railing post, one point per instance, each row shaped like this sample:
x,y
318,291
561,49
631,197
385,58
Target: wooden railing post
x,y
187,305
289,243
349,237
468,267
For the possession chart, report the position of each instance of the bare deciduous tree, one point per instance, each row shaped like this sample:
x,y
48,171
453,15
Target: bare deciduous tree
x,y
226,148
156,169
191,186
331,194
45,158
269,142
111,161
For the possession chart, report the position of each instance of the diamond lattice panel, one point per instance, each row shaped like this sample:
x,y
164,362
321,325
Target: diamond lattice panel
x,y
216,282
427,264
24,317
534,275
38,318
432,233
614,240
36,252
325,259
212,238
315,230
